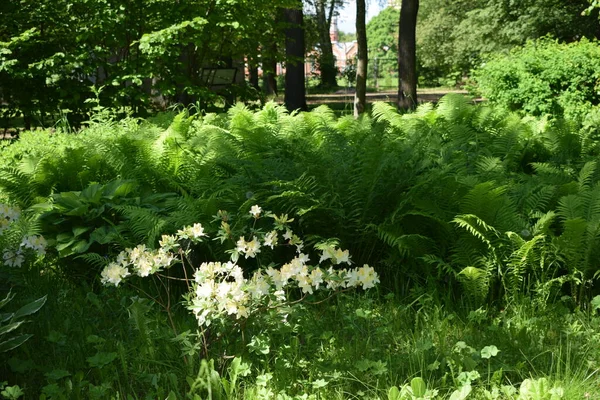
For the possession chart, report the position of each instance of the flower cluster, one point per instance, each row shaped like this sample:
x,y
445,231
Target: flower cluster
x,y
142,261
16,256
220,289
7,216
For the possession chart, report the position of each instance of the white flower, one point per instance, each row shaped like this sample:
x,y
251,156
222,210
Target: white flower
x,y
288,234
113,273
303,258
277,277
205,290
137,252
255,210
13,259
168,242
316,277
162,259
237,274
270,239
341,256
144,266
122,258
367,277
240,245
252,247
328,253
242,311
304,283
352,278
258,286
197,231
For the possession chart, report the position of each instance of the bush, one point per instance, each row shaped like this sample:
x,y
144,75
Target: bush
x,y
544,77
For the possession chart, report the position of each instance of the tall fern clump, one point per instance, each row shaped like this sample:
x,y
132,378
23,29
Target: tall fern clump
x,y
467,199
500,206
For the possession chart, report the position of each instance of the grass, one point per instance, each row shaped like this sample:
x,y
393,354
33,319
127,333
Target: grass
x,y
110,343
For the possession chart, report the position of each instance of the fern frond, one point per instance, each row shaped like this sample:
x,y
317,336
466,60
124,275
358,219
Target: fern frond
x,y
570,207
476,227
586,175
387,114
542,225
475,281
455,107
95,260
539,200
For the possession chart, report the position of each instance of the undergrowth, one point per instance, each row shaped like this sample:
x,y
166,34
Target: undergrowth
x,y
483,225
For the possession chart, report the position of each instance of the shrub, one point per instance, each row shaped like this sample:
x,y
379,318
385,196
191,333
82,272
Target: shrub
x,y
544,77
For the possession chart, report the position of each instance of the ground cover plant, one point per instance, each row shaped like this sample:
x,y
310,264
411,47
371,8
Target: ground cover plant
x,y
481,226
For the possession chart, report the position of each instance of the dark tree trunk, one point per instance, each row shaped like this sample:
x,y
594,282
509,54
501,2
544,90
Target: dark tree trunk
x,y
326,59
253,74
295,98
270,70
360,99
407,58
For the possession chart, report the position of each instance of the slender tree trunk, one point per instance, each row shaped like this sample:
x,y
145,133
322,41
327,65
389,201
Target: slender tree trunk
x,y
326,58
270,70
407,58
253,73
360,98
295,98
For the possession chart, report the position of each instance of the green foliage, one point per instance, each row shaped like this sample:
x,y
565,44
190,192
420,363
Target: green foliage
x,y
499,204
454,37
10,322
382,35
134,56
544,77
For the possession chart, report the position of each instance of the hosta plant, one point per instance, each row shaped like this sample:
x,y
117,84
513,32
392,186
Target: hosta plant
x,y
11,321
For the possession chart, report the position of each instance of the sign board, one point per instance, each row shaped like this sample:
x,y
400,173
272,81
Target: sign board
x,y
218,76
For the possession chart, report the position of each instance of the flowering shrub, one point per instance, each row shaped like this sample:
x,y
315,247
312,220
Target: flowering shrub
x,y
15,252
220,289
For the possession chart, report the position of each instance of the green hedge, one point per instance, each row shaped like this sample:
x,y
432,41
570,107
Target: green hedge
x,y
544,77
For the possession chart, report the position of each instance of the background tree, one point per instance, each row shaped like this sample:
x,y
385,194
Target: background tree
x,y
325,10
382,31
53,52
362,63
407,58
295,98
456,36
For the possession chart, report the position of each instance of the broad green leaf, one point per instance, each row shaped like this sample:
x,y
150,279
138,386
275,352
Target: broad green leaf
x,y
418,386
14,342
461,394
6,316
489,352
171,396
393,393
101,359
10,327
31,308
78,230
10,296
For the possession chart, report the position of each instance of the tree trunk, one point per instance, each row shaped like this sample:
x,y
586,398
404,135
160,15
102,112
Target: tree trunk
x,y
407,59
360,98
295,98
269,68
253,74
326,59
